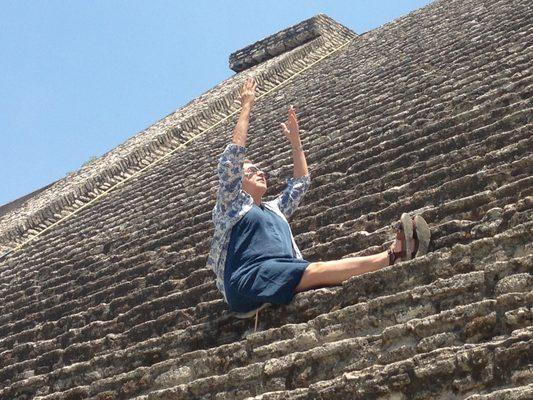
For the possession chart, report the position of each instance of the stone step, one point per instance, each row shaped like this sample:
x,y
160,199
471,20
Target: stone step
x,y
20,309
208,212
68,328
391,305
361,150
389,130
299,360
454,372
96,273
106,318
313,374
451,191
513,393
493,141
388,111
421,174
353,237
420,329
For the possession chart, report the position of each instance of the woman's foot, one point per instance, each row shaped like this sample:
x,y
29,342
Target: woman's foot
x,y
407,245
397,249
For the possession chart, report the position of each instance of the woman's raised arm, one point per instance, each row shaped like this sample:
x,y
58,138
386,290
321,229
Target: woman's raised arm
x,y
292,132
230,163
247,98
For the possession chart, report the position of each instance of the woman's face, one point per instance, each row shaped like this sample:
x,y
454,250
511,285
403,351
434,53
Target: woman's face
x,y
253,182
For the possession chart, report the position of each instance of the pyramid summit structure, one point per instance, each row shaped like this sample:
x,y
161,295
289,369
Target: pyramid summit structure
x,y
103,279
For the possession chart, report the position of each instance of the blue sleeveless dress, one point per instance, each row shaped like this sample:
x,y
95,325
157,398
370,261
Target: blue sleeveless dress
x,y
260,264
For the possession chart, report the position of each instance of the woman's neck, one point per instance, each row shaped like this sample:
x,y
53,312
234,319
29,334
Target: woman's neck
x,y
257,200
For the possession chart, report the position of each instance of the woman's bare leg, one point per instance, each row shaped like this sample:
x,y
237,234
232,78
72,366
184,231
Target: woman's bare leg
x,y
331,273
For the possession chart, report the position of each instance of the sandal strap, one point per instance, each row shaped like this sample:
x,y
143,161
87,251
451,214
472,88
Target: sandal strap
x,y
394,255
398,227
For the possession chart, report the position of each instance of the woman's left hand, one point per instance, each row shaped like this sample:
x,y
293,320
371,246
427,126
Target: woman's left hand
x,y
291,129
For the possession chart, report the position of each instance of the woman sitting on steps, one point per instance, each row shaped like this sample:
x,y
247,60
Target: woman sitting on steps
x,y
253,252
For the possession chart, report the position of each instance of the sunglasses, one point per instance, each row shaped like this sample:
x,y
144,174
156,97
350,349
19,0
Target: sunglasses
x,y
254,170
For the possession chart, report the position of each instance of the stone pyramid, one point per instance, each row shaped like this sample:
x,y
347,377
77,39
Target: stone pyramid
x,y
105,293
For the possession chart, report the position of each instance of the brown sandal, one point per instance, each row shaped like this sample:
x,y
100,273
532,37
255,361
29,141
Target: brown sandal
x,y
393,256
406,234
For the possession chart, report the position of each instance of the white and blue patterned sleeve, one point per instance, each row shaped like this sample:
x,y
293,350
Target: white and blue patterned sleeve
x,y
230,196
291,196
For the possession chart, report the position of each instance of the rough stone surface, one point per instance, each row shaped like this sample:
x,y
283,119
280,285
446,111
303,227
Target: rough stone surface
x,y
428,114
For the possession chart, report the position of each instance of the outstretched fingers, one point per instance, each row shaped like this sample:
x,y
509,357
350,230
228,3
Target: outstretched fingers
x,y
250,83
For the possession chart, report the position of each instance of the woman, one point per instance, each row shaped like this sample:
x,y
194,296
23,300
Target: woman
x,y
254,254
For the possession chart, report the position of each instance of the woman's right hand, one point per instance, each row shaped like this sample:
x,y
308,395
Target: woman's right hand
x,y
247,94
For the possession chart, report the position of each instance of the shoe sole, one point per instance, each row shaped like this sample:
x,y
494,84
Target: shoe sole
x,y
407,224
424,235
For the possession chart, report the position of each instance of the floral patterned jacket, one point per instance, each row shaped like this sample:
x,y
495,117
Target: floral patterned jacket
x,y
233,203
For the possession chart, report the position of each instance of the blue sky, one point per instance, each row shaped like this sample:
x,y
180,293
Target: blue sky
x,y
80,77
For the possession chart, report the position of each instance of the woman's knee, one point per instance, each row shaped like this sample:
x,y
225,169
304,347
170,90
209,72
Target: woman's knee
x,y
310,277
315,268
